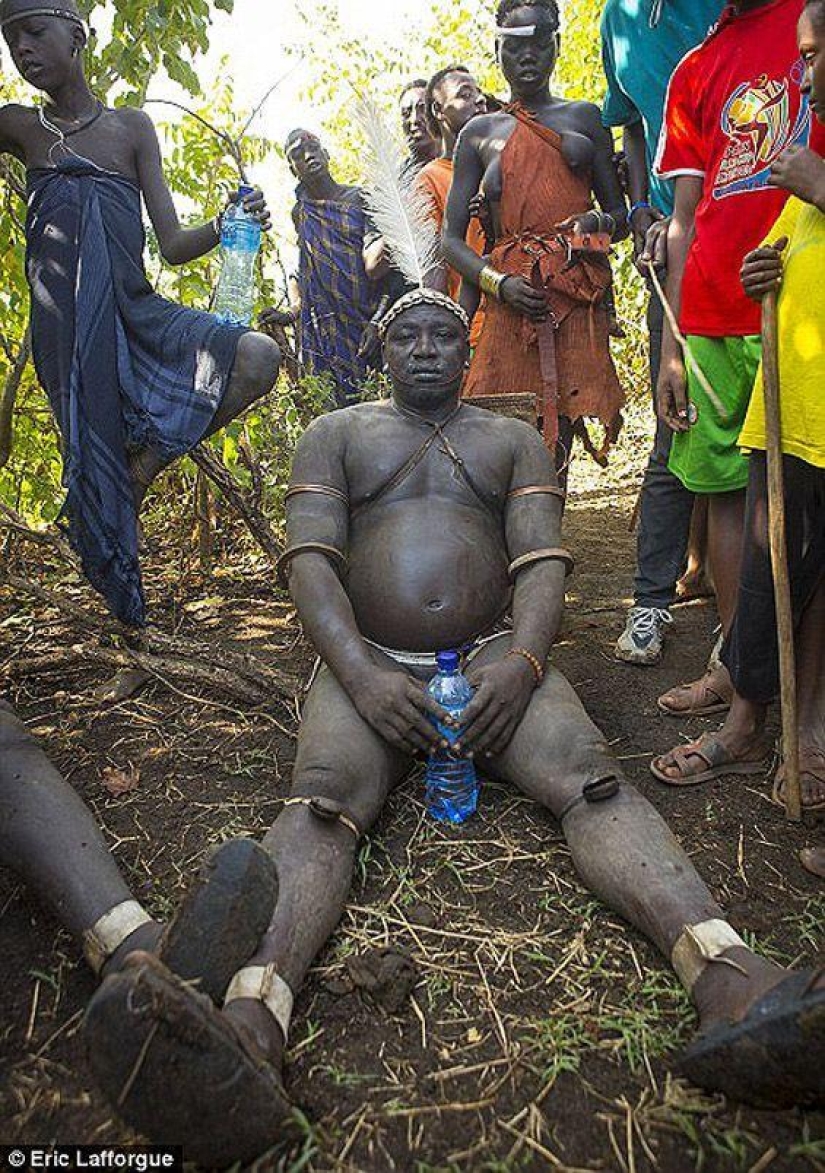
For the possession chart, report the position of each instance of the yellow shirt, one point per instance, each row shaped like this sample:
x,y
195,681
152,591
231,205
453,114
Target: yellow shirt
x,y
801,339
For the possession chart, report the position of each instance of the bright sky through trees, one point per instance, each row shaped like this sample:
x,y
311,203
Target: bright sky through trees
x,y
252,38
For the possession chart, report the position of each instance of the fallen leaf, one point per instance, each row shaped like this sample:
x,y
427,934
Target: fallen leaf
x,y
119,782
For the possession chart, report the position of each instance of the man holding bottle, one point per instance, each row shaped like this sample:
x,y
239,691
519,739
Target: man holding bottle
x,y
413,526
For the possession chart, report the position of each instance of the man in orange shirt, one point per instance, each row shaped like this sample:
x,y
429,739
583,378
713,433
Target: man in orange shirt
x,y
452,98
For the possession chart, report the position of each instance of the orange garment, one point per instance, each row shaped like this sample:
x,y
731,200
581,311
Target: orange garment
x,y
437,178
539,190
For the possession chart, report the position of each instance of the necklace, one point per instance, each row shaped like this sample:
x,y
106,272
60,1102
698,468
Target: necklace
x,y
62,135
420,419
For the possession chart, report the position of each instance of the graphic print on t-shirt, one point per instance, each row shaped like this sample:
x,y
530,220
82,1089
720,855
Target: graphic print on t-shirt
x,y
762,118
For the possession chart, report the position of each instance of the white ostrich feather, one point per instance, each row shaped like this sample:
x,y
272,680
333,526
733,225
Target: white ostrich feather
x,y
400,209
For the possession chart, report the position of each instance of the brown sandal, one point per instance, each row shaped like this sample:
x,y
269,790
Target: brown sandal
x,y
717,757
704,696
812,763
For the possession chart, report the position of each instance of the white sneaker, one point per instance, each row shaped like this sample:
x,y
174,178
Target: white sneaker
x,y
641,641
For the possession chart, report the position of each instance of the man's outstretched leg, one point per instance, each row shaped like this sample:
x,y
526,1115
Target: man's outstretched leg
x,y
213,1081
762,1031
49,838
257,362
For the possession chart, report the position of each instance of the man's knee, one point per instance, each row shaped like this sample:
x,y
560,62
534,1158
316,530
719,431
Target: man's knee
x,y
339,793
258,360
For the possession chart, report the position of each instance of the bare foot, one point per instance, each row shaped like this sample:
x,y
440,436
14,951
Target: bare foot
x,y
813,861
145,939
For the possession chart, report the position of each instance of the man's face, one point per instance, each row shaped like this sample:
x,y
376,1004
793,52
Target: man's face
x,y
425,351
414,121
307,158
812,49
528,62
457,99
41,48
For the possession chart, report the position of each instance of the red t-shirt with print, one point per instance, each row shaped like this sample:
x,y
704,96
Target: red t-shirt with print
x,y
734,104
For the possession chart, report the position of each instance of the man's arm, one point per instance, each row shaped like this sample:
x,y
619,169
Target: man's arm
x,y
10,119
468,172
317,529
177,244
532,522
671,393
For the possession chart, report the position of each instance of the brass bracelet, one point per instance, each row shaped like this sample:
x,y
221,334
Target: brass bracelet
x,y
534,662
490,281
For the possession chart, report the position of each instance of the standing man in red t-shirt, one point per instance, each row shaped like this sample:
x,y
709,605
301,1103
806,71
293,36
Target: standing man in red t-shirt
x,y
734,105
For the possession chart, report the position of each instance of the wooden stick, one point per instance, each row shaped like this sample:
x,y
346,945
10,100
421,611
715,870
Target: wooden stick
x,y
779,559
683,343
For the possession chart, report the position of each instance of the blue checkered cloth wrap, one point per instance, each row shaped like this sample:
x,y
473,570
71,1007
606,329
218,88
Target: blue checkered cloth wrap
x,y
123,368
337,297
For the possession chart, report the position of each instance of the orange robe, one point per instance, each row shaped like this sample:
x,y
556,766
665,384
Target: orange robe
x,y
437,178
539,190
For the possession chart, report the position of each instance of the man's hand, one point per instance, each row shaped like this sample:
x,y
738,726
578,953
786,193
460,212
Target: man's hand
x,y
800,171
643,220
273,317
584,224
502,694
255,204
524,298
761,271
671,395
479,209
398,707
369,348
654,250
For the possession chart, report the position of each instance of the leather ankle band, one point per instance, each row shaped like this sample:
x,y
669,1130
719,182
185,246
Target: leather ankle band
x,y
109,933
699,946
264,984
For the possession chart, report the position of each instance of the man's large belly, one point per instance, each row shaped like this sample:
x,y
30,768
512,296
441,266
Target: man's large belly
x,y
426,574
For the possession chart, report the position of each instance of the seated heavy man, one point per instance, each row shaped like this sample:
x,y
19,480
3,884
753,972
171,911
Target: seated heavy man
x,y
414,525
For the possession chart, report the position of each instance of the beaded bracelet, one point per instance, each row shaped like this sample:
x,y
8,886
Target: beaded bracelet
x,y
533,661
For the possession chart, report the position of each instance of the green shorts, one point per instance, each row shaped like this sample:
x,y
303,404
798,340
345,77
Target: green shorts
x,y
707,459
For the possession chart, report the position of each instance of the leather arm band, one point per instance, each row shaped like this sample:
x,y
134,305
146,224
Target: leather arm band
x,y
550,554
335,556
321,490
533,490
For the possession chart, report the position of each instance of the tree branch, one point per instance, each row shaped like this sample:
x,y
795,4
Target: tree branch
x,y
256,522
9,397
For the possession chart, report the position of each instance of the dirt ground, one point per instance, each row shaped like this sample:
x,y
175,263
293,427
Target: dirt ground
x,y
540,1031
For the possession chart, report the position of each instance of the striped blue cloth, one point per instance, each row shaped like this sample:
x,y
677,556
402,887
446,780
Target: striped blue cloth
x,y
123,368
337,297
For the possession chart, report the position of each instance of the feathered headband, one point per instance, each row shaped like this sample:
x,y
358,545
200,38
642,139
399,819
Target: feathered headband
x,y
402,212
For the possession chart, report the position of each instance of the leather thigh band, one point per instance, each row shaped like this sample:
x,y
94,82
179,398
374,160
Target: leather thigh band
x,y
550,554
283,563
326,809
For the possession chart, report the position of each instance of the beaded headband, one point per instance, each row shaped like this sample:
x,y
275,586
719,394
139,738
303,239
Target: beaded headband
x,y
62,13
422,297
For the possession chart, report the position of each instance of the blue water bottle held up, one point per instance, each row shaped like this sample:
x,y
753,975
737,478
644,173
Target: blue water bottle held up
x,y
452,785
240,242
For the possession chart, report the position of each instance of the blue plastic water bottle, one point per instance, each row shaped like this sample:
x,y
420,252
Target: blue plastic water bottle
x,y
452,785
240,241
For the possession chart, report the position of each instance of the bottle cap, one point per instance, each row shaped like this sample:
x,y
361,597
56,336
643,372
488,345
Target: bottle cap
x,y
447,661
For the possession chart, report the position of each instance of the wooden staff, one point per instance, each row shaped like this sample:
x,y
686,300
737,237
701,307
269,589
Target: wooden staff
x,y
779,558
